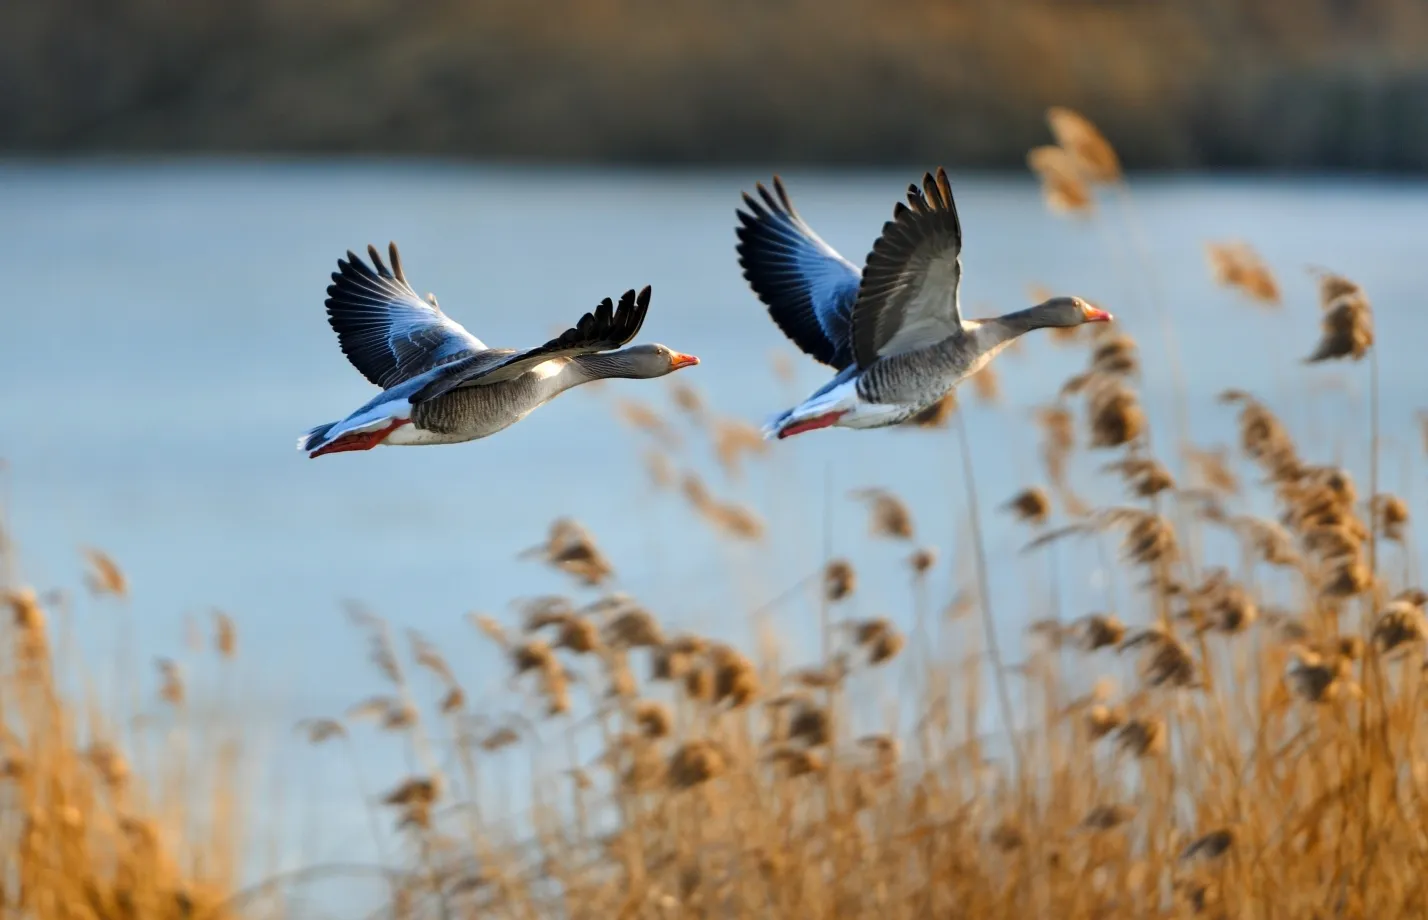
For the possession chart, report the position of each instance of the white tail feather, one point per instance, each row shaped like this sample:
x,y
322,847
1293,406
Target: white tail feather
x,y
370,417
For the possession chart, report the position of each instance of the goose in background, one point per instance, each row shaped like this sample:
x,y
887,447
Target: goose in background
x,y
442,385
893,331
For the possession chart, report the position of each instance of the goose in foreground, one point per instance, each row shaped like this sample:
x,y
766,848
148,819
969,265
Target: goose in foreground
x,y
442,385
893,331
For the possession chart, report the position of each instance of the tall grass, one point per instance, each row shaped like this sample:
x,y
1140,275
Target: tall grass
x,y
1238,737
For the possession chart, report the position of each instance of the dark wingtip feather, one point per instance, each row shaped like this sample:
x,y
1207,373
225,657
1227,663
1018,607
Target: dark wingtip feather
x,y
396,262
377,262
783,198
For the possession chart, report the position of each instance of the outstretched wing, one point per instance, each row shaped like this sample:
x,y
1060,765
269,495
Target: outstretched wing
x,y
387,331
607,326
909,293
807,286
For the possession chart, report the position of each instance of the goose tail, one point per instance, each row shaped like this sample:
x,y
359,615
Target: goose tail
x,y
314,436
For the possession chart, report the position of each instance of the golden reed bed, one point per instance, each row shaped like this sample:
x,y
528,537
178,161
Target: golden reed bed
x,y
1242,743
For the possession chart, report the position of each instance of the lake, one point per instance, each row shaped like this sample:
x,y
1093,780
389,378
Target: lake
x,y
165,344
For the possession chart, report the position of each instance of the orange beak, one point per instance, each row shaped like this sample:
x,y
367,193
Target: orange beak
x,y
1096,315
678,360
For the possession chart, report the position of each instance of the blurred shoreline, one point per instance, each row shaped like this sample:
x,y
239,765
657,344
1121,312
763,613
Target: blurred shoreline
x,y
1307,86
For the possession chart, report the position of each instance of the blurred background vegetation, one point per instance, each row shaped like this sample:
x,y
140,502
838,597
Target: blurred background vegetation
x,y
1279,84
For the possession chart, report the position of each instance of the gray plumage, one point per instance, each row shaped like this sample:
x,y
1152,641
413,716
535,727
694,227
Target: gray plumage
x,y
443,385
901,341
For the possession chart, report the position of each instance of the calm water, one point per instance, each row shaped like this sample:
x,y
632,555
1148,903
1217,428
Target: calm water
x,y
165,343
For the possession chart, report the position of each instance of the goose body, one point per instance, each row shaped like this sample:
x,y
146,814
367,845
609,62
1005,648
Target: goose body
x,y
442,385
893,331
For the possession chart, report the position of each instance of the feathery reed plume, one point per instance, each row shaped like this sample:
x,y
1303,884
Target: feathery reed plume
x,y
878,638
797,761
1227,607
1142,737
1212,467
570,548
414,798
736,680
653,718
547,610
659,468
642,417
1115,415
1390,515
1145,475
733,438
1399,624
888,515
1030,506
453,701
489,628
104,575
1318,679
922,560
578,635
1236,265
380,652
1264,439
687,399
225,634
734,520
171,688
738,521
1347,329
1102,720
828,676
533,655
373,709
621,679
671,661
318,731
699,682
1149,538
810,725
1106,817
1211,846
937,415
1168,663
25,610
634,627
1116,356
695,763
1098,632
1346,577
1062,186
1415,596
1088,148
429,658
106,761
501,738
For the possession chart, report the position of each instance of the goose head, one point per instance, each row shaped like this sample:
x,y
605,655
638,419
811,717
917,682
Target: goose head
x,y
641,361
1068,311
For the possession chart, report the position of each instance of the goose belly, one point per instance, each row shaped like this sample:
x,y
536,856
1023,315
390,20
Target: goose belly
x,y
857,411
470,413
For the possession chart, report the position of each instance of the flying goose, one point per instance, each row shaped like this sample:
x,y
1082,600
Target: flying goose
x,y
893,331
442,385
